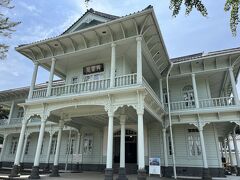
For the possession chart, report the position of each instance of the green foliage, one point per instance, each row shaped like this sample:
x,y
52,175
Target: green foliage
x,y
6,27
233,6
3,113
230,5
175,6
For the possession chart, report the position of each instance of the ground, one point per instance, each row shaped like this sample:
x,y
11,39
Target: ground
x,y
97,176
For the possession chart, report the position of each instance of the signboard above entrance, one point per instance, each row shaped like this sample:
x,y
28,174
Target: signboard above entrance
x,y
93,69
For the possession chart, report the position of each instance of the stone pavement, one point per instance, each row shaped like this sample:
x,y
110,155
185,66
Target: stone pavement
x,y
100,176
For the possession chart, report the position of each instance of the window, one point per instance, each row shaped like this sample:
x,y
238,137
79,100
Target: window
x,y
27,147
53,145
188,96
75,80
93,77
169,145
194,142
13,146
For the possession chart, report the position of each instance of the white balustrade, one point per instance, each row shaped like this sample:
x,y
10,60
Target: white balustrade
x,y
3,122
88,86
204,103
126,80
15,121
39,93
217,102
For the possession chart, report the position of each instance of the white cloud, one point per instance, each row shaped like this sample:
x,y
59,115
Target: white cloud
x,y
30,8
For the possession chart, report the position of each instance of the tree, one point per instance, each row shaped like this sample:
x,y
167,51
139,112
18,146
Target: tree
x,y
3,113
6,27
230,5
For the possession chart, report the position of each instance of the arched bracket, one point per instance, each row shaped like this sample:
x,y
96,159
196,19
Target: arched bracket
x,y
144,24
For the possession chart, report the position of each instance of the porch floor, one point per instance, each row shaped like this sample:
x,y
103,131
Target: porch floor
x,y
97,176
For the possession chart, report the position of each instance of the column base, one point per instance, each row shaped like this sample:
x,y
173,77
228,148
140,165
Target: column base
x,y
34,173
108,174
122,174
55,171
206,174
142,174
14,171
238,171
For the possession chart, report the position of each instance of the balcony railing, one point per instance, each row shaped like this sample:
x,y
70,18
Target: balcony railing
x,y
205,103
4,122
89,86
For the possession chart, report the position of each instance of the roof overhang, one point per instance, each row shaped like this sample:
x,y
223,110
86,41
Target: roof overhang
x,y
143,24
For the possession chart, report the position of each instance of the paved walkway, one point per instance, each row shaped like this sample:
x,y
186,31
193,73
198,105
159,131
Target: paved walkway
x,y
99,176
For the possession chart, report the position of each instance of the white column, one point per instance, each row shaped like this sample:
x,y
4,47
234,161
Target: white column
x,y
113,65
51,77
236,148
141,155
11,112
204,155
122,144
56,158
33,82
230,152
78,142
39,144
20,143
3,146
165,147
161,90
110,141
195,90
234,88
139,59
49,146
24,147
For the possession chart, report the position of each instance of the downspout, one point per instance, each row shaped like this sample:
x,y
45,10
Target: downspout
x,y
170,124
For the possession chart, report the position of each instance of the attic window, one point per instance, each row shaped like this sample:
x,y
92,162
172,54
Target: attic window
x,y
104,32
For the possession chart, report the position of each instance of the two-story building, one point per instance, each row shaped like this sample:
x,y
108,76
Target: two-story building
x,y
121,101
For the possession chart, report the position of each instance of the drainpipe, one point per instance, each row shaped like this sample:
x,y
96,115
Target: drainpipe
x,y
170,124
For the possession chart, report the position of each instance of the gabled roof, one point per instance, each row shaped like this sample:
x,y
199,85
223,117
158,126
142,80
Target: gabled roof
x,y
92,11
204,55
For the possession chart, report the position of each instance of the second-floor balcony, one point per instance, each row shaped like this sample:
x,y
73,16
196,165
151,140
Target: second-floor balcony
x,y
221,102
86,87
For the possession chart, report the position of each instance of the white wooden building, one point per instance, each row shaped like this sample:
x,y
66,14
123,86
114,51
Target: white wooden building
x,y
121,101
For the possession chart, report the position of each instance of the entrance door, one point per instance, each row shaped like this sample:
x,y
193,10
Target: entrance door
x,y
130,147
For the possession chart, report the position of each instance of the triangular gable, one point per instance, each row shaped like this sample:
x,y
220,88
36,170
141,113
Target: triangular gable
x,y
90,18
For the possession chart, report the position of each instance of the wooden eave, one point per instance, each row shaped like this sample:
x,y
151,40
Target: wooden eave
x,y
143,24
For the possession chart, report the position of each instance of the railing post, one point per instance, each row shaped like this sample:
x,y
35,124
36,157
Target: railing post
x,y
161,90
113,65
49,88
34,77
11,112
195,90
139,60
234,89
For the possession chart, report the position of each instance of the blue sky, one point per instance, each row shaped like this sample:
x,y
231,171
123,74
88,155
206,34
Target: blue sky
x,y
46,18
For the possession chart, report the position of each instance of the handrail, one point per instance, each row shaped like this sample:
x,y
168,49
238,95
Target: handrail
x,y
203,103
88,86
